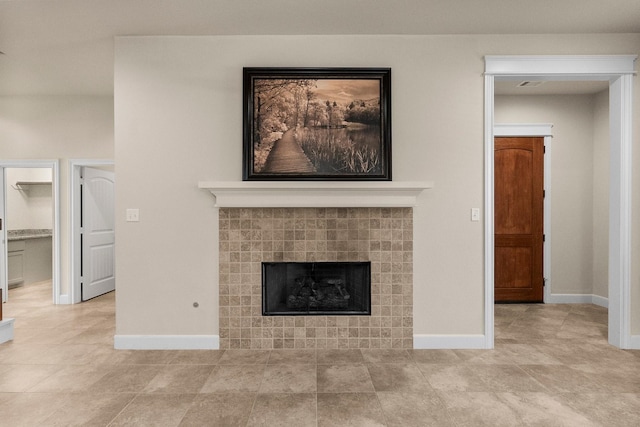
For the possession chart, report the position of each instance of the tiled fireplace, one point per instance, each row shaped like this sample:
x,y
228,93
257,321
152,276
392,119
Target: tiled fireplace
x,y
251,236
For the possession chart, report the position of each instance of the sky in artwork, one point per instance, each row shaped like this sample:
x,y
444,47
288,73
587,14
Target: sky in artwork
x,y
345,91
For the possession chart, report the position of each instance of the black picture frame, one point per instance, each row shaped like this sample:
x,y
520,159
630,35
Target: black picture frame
x,y
338,118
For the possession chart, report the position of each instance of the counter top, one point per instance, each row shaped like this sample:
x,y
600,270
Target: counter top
x,y
28,234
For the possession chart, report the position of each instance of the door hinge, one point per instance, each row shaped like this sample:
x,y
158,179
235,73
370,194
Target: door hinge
x,y
544,193
544,237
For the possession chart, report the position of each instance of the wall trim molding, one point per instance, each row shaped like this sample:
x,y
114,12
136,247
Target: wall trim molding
x,y
452,342
593,66
578,299
601,301
166,342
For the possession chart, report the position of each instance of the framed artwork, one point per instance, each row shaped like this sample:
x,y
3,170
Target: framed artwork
x,y
317,124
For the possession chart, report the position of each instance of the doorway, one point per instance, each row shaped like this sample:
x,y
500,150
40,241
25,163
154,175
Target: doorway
x,y
92,248
29,181
618,71
541,130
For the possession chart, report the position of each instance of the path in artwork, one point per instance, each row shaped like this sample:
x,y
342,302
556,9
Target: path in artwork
x,y
286,156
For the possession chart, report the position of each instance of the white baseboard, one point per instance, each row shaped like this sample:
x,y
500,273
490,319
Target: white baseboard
x,y
634,342
166,342
433,342
64,299
601,301
577,299
6,329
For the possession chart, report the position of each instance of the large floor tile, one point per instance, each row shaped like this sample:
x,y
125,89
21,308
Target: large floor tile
x,y
414,409
507,378
244,357
19,378
196,357
398,377
158,410
386,356
452,377
434,356
284,409
71,378
289,379
30,409
89,409
179,379
543,409
350,409
339,357
219,409
234,379
479,409
561,378
607,409
299,356
126,379
344,378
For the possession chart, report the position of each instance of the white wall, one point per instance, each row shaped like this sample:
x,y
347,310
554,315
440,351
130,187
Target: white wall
x,y
576,234
29,207
57,127
178,104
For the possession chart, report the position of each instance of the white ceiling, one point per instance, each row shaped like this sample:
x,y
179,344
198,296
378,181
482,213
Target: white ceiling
x,y
66,46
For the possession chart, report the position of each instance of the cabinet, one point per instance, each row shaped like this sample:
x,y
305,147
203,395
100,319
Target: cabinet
x,y
15,259
29,256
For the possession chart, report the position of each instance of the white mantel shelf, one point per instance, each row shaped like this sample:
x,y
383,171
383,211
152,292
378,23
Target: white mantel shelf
x,y
315,194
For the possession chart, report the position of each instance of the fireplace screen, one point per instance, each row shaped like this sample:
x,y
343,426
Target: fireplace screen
x,y
316,288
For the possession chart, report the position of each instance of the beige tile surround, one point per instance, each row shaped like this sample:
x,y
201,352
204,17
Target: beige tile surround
x,y
250,236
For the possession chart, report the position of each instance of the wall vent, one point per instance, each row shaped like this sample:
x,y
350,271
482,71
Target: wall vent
x,y
527,83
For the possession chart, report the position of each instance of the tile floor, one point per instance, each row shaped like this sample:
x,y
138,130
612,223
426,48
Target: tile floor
x,y
551,366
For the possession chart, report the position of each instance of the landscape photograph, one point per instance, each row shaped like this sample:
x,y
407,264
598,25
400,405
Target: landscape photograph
x,y
318,127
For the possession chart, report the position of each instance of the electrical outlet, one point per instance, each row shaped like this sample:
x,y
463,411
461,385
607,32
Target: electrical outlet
x,y
133,215
475,214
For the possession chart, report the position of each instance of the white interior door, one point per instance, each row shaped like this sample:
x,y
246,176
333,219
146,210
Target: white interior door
x,y
3,239
98,233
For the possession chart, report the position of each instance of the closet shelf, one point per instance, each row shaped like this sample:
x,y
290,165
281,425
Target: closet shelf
x,y
20,185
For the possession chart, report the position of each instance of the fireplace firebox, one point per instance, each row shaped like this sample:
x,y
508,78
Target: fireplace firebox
x,y
316,288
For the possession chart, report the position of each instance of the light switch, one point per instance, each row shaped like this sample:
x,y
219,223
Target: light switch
x,y
475,214
133,215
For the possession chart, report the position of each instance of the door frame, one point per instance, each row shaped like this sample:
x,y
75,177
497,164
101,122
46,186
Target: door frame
x,y
54,165
542,130
618,70
75,251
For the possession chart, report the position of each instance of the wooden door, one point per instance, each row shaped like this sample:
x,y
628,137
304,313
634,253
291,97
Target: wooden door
x,y
518,221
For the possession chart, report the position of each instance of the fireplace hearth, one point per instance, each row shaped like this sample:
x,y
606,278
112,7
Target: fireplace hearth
x,y
316,288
